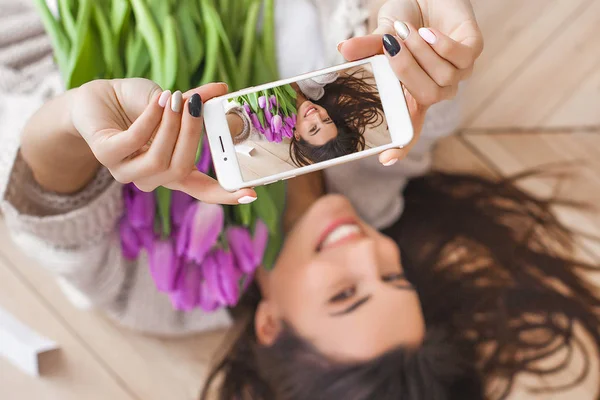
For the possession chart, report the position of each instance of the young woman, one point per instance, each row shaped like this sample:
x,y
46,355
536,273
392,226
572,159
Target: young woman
x,y
333,113
471,288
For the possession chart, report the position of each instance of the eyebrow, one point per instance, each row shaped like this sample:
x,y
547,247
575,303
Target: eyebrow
x,y
353,307
319,130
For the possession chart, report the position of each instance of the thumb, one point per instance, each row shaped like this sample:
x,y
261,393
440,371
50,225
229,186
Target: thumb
x,y
397,10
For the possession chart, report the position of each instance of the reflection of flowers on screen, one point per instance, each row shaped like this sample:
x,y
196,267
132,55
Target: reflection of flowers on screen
x,y
272,112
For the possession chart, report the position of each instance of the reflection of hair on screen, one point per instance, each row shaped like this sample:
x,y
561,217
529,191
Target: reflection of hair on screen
x,y
307,122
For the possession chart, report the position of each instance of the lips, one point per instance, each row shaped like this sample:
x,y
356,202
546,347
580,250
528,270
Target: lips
x,y
311,110
340,232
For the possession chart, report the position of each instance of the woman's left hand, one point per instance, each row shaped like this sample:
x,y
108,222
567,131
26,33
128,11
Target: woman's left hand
x,y
433,47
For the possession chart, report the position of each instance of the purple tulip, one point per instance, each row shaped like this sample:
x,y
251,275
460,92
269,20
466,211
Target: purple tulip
x,y
262,101
165,266
278,136
247,108
205,160
229,277
256,122
210,271
295,119
131,243
273,101
140,206
207,302
269,134
289,122
180,202
200,231
268,116
260,241
186,296
242,248
288,132
277,123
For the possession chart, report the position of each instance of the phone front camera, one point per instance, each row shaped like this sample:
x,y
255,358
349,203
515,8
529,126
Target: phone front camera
x,y
225,159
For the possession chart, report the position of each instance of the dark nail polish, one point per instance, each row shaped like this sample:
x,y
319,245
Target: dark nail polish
x,y
195,105
391,44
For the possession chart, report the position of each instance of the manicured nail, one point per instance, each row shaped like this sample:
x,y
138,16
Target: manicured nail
x,y
176,101
402,30
428,35
391,162
195,105
164,97
246,200
391,45
340,44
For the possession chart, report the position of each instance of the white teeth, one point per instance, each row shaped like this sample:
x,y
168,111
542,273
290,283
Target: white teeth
x,y
310,111
341,233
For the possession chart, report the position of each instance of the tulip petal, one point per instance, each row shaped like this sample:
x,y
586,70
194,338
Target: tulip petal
x,y
141,207
205,230
247,108
262,101
260,241
229,278
183,236
180,202
130,240
269,134
165,266
210,272
205,300
240,243
205,161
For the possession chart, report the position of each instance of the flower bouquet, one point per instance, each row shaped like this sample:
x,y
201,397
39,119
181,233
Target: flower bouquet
x,y
201,255
272,112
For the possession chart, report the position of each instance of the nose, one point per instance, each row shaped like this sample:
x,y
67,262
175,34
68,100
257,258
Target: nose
x,y
361,257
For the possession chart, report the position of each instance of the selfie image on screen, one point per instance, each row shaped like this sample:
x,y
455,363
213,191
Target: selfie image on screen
x,y
307,122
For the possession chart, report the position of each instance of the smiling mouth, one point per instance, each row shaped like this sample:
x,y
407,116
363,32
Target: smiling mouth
x,y
339,233
311,110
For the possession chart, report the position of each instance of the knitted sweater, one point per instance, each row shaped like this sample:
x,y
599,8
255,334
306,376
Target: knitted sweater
x,y
76,236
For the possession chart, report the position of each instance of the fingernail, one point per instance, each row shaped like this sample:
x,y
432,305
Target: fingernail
x,y
340,44
402,30
195,105
246,200
176,101
391,45
164,97
428,35
391,162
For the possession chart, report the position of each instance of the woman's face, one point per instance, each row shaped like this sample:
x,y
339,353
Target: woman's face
x,y
339,283
314,124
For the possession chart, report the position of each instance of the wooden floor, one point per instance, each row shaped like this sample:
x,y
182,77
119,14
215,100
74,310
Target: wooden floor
x,y
534,101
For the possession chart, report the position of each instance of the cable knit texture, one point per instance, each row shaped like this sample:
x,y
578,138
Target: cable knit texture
x,y
76,237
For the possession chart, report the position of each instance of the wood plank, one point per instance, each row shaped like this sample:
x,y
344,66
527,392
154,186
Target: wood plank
x,y
73,374
580,108
152,368
513,35
564,33
575,155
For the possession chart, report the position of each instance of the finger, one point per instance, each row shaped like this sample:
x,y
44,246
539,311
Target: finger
x,y
361,47
208,190
420,85
157,159
441,71
391,157
461,55
118,146
208,91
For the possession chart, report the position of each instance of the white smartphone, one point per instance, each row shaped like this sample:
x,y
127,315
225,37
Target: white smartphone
x,y
283,129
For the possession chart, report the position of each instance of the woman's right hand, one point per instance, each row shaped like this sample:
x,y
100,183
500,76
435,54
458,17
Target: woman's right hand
x,y
149,137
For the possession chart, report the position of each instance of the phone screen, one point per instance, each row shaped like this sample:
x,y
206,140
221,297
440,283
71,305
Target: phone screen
x,y
309,121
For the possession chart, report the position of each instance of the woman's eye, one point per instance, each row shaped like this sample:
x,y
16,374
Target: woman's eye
x,y
344,295
314,128
394,277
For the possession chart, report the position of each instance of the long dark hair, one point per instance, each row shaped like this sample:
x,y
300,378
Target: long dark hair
x,y
353,104
501,295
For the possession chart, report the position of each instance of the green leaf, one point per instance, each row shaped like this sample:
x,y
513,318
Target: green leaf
x,y
58,36
243,214
120,11
171,53
266,210
262,118
229,58
66,17
151,34
163,200
84,61
269,36
192,40
114,68
212,46
253,101
137,57
248,43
